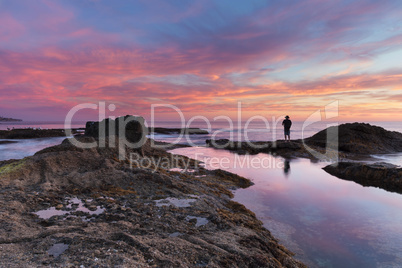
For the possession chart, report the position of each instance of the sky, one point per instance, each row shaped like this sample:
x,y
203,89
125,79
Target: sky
x,y
205,58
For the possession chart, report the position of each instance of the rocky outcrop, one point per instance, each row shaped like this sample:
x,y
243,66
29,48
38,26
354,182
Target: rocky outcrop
x,y
7,142
130,127
29,133
382,175
136,213
6,119
359,138
186,131
292,149
355,141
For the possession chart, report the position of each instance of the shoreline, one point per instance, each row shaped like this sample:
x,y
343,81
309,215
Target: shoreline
x,y
33,132
359,153
149,218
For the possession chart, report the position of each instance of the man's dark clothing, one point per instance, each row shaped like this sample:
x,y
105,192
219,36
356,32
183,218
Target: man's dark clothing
x,y
287,124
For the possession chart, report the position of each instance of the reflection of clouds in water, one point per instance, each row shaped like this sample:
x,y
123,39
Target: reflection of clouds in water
x,y
386,245
385,237
311,215
284,233
324,220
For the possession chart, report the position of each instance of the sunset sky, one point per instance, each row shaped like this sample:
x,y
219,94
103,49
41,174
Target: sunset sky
x,y
276,57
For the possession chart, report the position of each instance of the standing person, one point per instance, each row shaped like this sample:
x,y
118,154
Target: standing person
x,y
287,124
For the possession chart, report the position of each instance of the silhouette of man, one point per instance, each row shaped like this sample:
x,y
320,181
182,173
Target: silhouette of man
x,y
287,124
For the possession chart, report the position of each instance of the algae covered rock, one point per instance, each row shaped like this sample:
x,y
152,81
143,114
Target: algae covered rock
x,y
383,175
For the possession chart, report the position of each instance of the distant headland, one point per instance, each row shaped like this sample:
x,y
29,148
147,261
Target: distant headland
x,y
5,119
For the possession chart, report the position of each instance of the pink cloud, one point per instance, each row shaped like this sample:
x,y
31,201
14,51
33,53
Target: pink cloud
x,y
11,28
54,56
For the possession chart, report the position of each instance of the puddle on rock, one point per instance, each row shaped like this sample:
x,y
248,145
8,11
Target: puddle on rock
x,y
182,170
50,212
74,205
175,234
57,249
200,220
181,203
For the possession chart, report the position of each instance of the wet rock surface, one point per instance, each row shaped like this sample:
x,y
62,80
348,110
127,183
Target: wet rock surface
x,y
209,230
382,175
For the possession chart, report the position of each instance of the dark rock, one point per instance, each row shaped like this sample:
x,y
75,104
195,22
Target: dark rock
x,y
191,131
221,144
29,133
66,145
354,139
286,145
382,175
7,142
285,149
132,126
5,119
359,138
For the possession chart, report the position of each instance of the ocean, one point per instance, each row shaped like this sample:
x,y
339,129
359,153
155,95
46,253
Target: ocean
x,y
255,131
